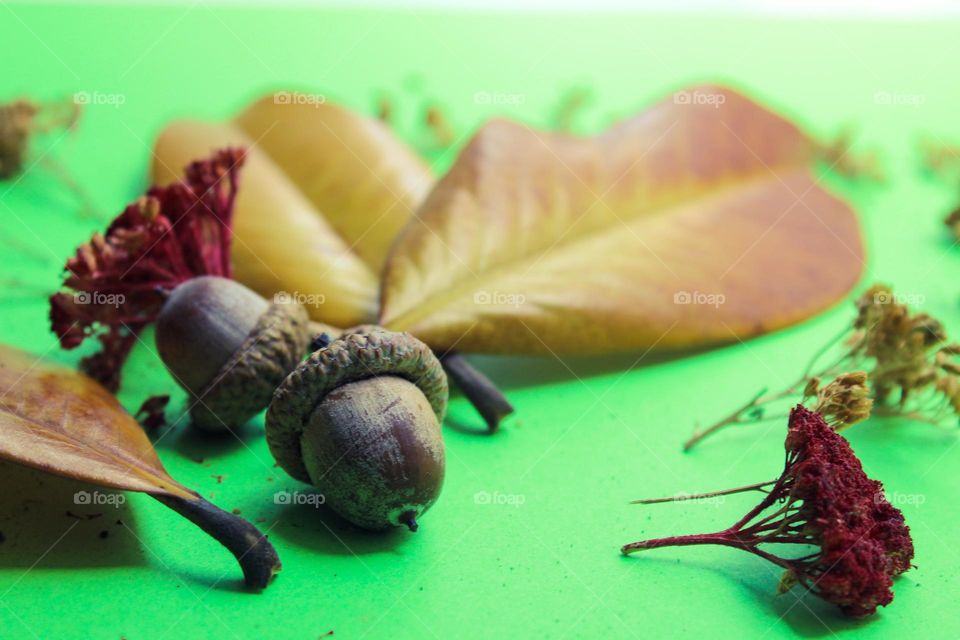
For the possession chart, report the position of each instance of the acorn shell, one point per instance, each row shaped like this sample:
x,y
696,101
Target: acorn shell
x,y
245,384
365,354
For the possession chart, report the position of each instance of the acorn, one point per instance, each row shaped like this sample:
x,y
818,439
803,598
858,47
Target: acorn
x,y
229,348
360,419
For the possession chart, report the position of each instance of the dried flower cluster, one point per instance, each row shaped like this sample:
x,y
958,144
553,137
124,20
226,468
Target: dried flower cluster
x,y
942,160
116,284
913,367
901,361
16,124
20,121
822,501
939,158
953,222
836,153
843,402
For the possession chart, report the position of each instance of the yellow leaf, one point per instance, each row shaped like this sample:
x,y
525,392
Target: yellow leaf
x,y
323,194
696,222
355,171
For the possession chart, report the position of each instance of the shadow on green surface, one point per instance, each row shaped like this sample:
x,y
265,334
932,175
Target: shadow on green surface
x,y
468,422
321,530
806,615
517,372
521,371
227,581
51,522
199,445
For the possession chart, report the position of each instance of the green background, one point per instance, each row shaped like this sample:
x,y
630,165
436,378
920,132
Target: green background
x,y
589,434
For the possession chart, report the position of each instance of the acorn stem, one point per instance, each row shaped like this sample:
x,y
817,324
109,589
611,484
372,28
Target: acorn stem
x,y
320,328
482,393
408,518
253,551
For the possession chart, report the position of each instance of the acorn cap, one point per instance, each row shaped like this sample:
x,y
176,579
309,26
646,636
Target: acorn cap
x,y
245,384
368,353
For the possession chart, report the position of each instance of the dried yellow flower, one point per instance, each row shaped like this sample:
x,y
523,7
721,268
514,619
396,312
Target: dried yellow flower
x,y
904,356
845,401
16,124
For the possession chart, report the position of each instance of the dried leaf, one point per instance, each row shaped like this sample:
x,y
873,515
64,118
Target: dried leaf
x,y
693,223
325,193
62,422
355,171
65,423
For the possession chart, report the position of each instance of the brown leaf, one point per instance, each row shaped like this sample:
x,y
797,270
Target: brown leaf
x,y
695,222
60,421
325,192
63,422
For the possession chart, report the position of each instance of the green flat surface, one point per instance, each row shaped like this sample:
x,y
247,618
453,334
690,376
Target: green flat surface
x,y
589,435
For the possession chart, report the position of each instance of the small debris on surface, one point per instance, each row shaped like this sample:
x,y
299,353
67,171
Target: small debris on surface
x,y
85,516
151,413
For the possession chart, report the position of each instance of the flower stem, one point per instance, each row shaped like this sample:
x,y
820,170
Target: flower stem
x,y
729,538
759,400
88,208
736,417
711,494
721,538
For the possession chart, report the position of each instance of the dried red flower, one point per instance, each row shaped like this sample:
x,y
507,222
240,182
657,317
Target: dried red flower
x,y
823,499
151,413
116,284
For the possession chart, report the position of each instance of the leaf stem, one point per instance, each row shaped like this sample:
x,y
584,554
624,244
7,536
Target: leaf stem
x,y
482,393
253,551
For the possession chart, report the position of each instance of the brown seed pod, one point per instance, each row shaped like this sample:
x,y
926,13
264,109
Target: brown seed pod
x,y
229,348
360,419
